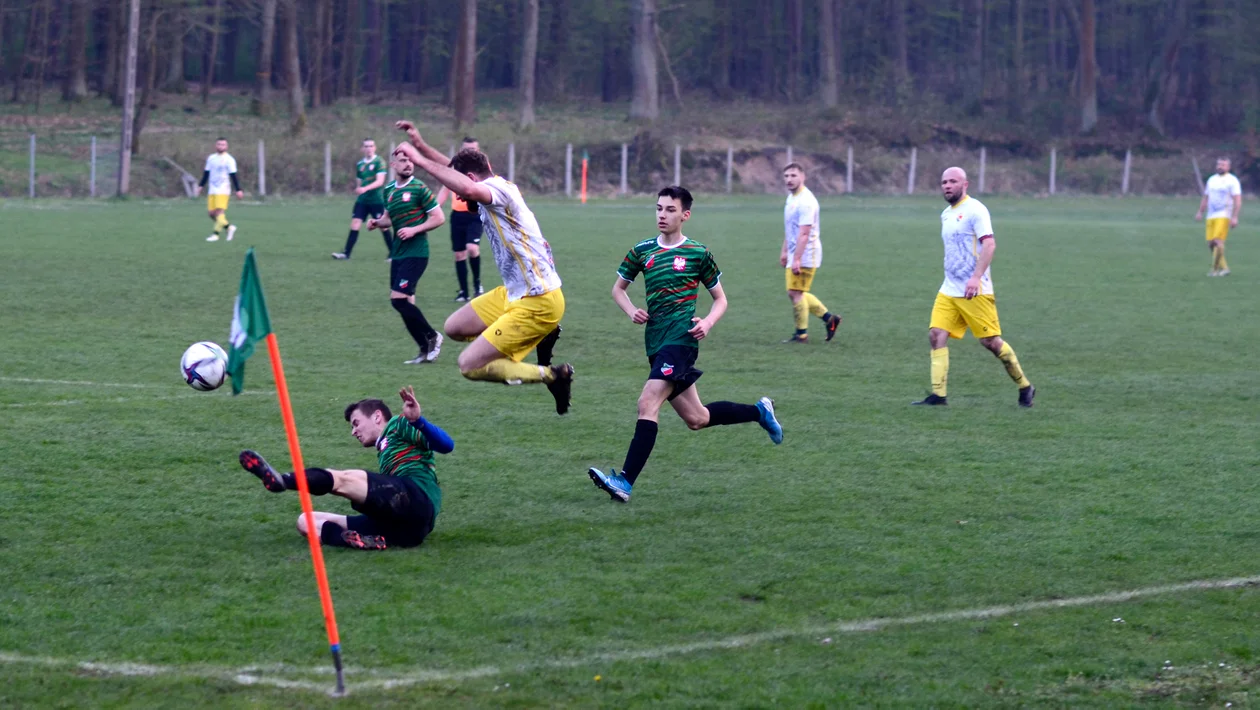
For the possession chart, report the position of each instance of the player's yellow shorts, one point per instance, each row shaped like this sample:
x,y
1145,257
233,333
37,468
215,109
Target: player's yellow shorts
x,y
801,281
516,327
1218,228
216,202
956,315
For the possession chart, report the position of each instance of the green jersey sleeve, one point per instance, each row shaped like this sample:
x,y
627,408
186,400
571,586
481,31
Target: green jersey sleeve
x,y
631,266
427,202
709,272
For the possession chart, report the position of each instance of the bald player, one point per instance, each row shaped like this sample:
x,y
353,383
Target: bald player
x,y
965,300
1222,199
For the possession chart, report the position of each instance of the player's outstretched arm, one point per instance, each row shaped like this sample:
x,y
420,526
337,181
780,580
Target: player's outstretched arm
x,y
638,315
413,137
439,440
456,182
702,326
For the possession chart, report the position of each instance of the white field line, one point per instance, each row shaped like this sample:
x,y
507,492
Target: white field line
x,y
33,381
115,400
380,680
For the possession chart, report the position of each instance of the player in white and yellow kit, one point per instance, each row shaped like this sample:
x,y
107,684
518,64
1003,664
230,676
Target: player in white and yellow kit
x,y
220,171
506,323
801,255
966,300
1222,199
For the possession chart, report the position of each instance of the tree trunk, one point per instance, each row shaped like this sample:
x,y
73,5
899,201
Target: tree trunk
x,y
259,106
350,50
645,102
372,46
1017,64
722,31
465,84
610,63
420,17
1088,67
973,57
109,52
529,63
129,97
212,52
315,54
1161,78
174,81
557,68
901,47
829,89
796,38
75,88
150,80
293,69
768,50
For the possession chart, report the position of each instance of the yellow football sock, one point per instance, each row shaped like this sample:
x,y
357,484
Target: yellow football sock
x,y
511,373
220,222
800,310
1007,356
940,370
816,306
1224,265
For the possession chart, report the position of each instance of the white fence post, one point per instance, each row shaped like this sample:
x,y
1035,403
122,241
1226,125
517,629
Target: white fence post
x,y
1128,165
328,167
789,155
848,171
389,175
730,165
31,181
983,158
1198,175
92,171
262,169
677,164
914,163
511,162
1054,167
568,170
452,151
625,168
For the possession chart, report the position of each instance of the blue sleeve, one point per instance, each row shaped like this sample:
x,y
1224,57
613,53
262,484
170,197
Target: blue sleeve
x,y
439,441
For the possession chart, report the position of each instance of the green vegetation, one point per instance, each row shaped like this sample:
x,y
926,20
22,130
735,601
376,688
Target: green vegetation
x,y
131,536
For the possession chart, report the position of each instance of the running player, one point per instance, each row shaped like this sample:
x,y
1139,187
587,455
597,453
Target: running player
x,y
1222,198
412,211
802,255
673,269
220,171
510,320
370,173
397,506
465,236
966,297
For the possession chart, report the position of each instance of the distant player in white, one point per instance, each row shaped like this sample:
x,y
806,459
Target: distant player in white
x,y
505,323
801,254
1222,198
220,172
965,300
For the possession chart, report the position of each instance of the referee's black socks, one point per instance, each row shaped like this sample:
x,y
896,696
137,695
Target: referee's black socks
x,y
640,449
461,273
732,413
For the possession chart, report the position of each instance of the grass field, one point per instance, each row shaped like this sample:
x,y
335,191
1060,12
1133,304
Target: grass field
x,y
142,567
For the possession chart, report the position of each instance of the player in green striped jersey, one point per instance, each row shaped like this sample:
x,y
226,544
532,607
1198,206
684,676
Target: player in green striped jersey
x,y
673,268
400,504
370,174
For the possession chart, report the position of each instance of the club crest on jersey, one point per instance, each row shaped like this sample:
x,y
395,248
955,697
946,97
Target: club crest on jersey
x,y
651,260
382,443
667,369
406,197
680,263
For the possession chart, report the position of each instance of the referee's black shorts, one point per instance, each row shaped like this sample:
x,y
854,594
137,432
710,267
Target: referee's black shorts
x,y
466,229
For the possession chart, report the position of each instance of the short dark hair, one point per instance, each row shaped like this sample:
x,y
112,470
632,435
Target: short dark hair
x,y
220,138
469,139
368,407
794,166
365,140
471,160
677,192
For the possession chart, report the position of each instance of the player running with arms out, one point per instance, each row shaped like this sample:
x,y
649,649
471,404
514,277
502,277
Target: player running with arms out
x,y
966,297
412,211
220,172
510,320
370,174
673,268
1222,199
802,255
397,506
466,232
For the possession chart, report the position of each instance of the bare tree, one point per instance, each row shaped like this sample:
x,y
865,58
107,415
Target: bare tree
x,y
129,98
796,23
829,89
293,69
1089,67
465,83
645,102
529,63
1161,78
151,59
1017,64
372,41
75,88
901,47
173,80
212,52
266,47
973,56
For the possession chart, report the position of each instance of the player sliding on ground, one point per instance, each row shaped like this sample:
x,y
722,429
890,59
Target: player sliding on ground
x,y
399,505
673,268
509,321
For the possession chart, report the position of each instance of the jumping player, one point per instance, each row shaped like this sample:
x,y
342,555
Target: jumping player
x,y
673,268
397,506
370,174
220,170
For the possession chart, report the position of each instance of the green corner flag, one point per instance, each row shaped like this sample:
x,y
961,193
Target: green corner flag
x,y
250,322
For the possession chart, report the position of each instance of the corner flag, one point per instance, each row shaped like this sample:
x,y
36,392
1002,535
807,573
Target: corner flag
x,y
250,322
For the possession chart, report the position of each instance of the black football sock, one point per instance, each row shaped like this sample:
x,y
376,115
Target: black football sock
x,y
351,238
414,319
330,535
732,413
319,480
461,273
547,346
640,449
474,263
389,240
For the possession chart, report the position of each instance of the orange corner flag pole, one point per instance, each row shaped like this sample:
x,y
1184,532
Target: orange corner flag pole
x,y
584,162
312,534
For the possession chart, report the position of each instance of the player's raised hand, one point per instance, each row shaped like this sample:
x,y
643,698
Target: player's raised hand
x,y
409,128
639,316
700,329
411,406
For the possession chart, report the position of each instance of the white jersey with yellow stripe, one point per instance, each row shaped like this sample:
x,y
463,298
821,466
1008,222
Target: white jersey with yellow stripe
x,y
520,251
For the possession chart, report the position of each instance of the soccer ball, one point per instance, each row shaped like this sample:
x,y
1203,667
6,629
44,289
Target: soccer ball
x,y
204,366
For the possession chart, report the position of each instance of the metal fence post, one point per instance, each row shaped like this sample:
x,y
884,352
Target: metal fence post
x,y
625,168
914,160
1054,167
848,172
730,165
389,175
31,181
1198,174
511,162
92,171
789,155
262,169
327,167
1128,164
983,156
677,164
568,170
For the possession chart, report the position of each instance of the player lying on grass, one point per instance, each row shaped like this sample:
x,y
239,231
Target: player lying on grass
x,y
673,268
509,321
399,505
